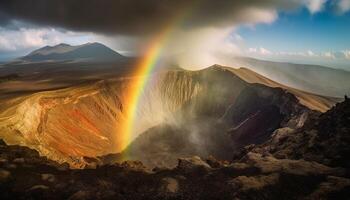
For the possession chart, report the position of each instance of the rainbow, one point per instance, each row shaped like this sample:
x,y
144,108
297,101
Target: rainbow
x,y
142,75
139,83
144,69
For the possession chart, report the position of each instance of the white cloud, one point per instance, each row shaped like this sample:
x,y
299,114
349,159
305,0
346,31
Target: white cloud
x,y
328,55
310,53
237,37
315,6
264,51
5,44
196,49
343,6
30,38
252,50
260,51
346,54
25,38
253,16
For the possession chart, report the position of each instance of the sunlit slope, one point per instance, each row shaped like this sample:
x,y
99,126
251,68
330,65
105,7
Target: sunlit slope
x,y
312,101
65,124
79,121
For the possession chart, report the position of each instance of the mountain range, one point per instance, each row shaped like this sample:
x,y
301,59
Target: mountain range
x,y
61,52
311,78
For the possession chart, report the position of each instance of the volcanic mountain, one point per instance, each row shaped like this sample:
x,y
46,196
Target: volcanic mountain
x,y
70,113
66,52
72,110
61,66
80,121
224,110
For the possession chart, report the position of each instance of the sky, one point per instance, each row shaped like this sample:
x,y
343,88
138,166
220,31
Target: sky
x,y
303,37
299,31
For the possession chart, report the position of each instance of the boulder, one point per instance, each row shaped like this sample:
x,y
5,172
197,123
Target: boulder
x,y
48,177
18,160
191,163
81,195
170,185
4,175
246,183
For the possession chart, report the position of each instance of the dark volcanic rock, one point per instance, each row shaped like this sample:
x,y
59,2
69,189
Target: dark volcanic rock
x,y
255,176
324,138
260,110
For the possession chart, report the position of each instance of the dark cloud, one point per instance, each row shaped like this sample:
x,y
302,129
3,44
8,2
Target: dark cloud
x,y
5,20
132,16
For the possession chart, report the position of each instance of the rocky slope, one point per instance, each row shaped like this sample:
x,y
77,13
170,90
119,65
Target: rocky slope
x,y
312,101
236,113
273,145
83,120
259,172
195,107
324,138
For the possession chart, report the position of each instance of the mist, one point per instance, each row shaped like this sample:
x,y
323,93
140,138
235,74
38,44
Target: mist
x,y
178,118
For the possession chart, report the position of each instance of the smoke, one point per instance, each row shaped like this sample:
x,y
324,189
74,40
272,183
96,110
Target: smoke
x,y
199,47
180,115
195,49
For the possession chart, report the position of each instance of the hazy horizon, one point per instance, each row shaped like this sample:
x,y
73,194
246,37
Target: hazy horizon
x,y
4,59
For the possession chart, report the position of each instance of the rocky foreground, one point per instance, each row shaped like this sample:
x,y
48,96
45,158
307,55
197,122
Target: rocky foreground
x,y
308,163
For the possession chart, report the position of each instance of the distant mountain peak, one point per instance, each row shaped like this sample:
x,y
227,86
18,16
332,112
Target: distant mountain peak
x,y
90,51
62,45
